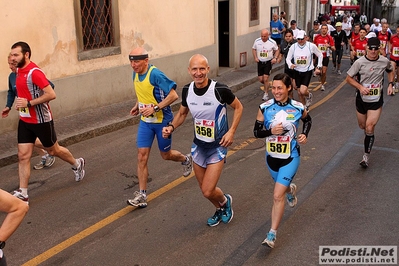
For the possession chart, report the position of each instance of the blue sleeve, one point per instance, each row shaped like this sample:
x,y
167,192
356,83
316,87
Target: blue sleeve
x,y
160,80
12,92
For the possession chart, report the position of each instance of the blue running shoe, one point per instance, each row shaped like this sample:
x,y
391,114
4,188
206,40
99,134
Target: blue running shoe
x,y
227,211
216,218
291,197
269,240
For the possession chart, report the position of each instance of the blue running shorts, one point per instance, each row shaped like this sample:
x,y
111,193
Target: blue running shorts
x,y
281,171
146,134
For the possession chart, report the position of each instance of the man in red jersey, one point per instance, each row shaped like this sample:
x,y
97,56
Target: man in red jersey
x,y
324,42
384,36
34,93
352,37
359,45
394,57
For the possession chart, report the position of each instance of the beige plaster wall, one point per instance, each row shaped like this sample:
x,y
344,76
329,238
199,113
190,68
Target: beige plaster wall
x,y
171,34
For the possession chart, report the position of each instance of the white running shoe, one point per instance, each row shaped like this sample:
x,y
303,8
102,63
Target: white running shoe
x,y
309,99
291,196
80,171
139,200
365,162
18,194
188,166
322,88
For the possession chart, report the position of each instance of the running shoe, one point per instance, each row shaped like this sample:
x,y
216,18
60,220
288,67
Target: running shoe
x,y
216,218
50,160
365,162
139,200
79,172
333,69
339,72
18,193
265,97
309,100
291,196
269,240
187,165
227,211
322,88
40,165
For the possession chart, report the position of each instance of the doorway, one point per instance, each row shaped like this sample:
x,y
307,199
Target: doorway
x,y
224,33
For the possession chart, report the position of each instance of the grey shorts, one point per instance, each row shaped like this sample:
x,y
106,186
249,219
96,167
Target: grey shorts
x,y
204,156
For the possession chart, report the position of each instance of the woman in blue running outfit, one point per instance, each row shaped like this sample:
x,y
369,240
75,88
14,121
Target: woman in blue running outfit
x,y
278,122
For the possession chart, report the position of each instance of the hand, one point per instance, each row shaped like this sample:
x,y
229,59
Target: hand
x,y
147,111
365,91
167,131
278,129
317,71
21,103
227,139
390,90
302,139
134,111
293,66
5,112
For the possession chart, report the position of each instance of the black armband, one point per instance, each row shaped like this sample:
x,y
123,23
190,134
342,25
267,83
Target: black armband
x,y
307,124
260,131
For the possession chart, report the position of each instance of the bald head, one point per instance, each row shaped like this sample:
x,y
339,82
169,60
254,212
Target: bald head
x,y
264,34
198,57
198,69
138,51
139,60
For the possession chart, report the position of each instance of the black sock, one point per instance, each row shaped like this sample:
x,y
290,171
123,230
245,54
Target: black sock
x,y
368,143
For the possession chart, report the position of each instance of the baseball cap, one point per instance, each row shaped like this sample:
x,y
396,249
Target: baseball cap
x,y
316,22
373,42
301,34
371,34
338,24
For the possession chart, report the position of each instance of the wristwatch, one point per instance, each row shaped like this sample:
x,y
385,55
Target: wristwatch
x,y
318,68
29,105
2,244
156,108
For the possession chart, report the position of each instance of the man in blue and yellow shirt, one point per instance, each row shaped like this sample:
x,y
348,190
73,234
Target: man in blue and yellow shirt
x,y
155,93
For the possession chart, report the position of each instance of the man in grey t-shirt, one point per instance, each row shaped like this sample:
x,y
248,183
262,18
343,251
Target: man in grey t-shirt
x,y
367,75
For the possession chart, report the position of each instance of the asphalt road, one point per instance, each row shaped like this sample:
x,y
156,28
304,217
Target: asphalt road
x,y
339,203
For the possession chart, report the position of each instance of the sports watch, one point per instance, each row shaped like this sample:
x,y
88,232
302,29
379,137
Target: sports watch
x,y
156,108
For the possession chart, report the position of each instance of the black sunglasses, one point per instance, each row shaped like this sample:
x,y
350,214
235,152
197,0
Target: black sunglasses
x,y
300,39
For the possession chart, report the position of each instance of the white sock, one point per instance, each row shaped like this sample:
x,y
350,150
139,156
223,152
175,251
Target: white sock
x,y
24,191
273,231
76,164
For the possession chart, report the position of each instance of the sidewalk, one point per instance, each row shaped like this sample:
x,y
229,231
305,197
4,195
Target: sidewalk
x,y
96,122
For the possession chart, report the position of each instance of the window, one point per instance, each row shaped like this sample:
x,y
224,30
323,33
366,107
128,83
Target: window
x,y
254,12
97,28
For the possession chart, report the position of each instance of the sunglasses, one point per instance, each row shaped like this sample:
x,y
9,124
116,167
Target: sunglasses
x,y
374,48
300,39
